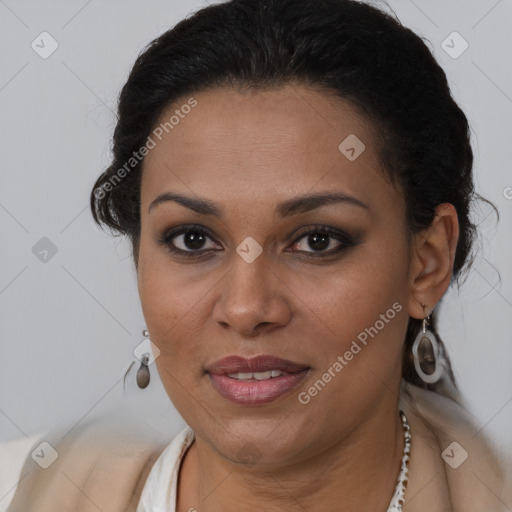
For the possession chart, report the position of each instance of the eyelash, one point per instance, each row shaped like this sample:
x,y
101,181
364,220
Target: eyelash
x,y
346,240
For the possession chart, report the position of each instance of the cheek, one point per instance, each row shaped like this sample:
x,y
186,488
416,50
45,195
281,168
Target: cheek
x,y
366,304
165,300
173,310
170,312
359,361
158,300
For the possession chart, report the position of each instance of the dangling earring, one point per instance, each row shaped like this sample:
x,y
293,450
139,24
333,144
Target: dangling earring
x,y
143,376
428,360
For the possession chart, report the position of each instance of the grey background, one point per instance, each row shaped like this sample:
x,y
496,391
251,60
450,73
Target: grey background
x,y
69,325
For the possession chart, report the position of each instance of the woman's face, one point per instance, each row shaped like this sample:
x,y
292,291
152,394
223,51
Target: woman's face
x,y
263,278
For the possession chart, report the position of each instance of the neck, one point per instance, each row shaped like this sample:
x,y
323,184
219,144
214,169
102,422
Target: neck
x,y
358,472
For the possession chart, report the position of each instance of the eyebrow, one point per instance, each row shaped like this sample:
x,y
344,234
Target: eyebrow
x,y
287,208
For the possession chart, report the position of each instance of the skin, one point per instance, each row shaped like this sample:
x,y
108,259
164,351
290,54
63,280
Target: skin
x,y
247,152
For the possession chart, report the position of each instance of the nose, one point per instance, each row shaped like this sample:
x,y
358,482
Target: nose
x,y
253,298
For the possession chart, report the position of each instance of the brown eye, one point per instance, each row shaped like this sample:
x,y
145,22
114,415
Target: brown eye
x,y
186,241
318,241
321,238
192,240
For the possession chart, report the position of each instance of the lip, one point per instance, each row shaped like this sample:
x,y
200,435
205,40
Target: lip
x,y
252,392
263,363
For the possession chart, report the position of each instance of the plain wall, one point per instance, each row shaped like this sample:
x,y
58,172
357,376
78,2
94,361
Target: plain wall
x,y
70,325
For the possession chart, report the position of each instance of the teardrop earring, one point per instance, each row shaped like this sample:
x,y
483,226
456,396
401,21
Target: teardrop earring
x,y
143,376
429,362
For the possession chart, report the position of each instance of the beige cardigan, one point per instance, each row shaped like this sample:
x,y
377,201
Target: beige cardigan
x,y
104,464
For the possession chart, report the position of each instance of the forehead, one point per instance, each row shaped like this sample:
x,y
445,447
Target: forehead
x,y
266,143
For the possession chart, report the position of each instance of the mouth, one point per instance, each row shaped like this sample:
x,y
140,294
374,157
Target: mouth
x,y
259,380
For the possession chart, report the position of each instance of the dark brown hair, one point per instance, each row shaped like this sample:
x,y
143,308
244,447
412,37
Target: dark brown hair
x,y
354,50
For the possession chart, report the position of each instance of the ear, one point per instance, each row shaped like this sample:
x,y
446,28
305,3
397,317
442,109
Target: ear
x,y
432,258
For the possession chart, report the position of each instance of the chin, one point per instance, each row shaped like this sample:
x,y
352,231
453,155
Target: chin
x,y
264,442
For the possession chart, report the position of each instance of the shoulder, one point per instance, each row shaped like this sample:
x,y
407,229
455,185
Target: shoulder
x,y
476,476
102,464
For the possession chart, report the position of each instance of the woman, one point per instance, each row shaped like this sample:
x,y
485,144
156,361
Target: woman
x,y
295,179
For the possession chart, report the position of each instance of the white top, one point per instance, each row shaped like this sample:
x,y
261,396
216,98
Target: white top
x,y
160,490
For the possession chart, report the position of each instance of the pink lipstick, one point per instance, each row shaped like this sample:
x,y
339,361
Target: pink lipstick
x,y
254,381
